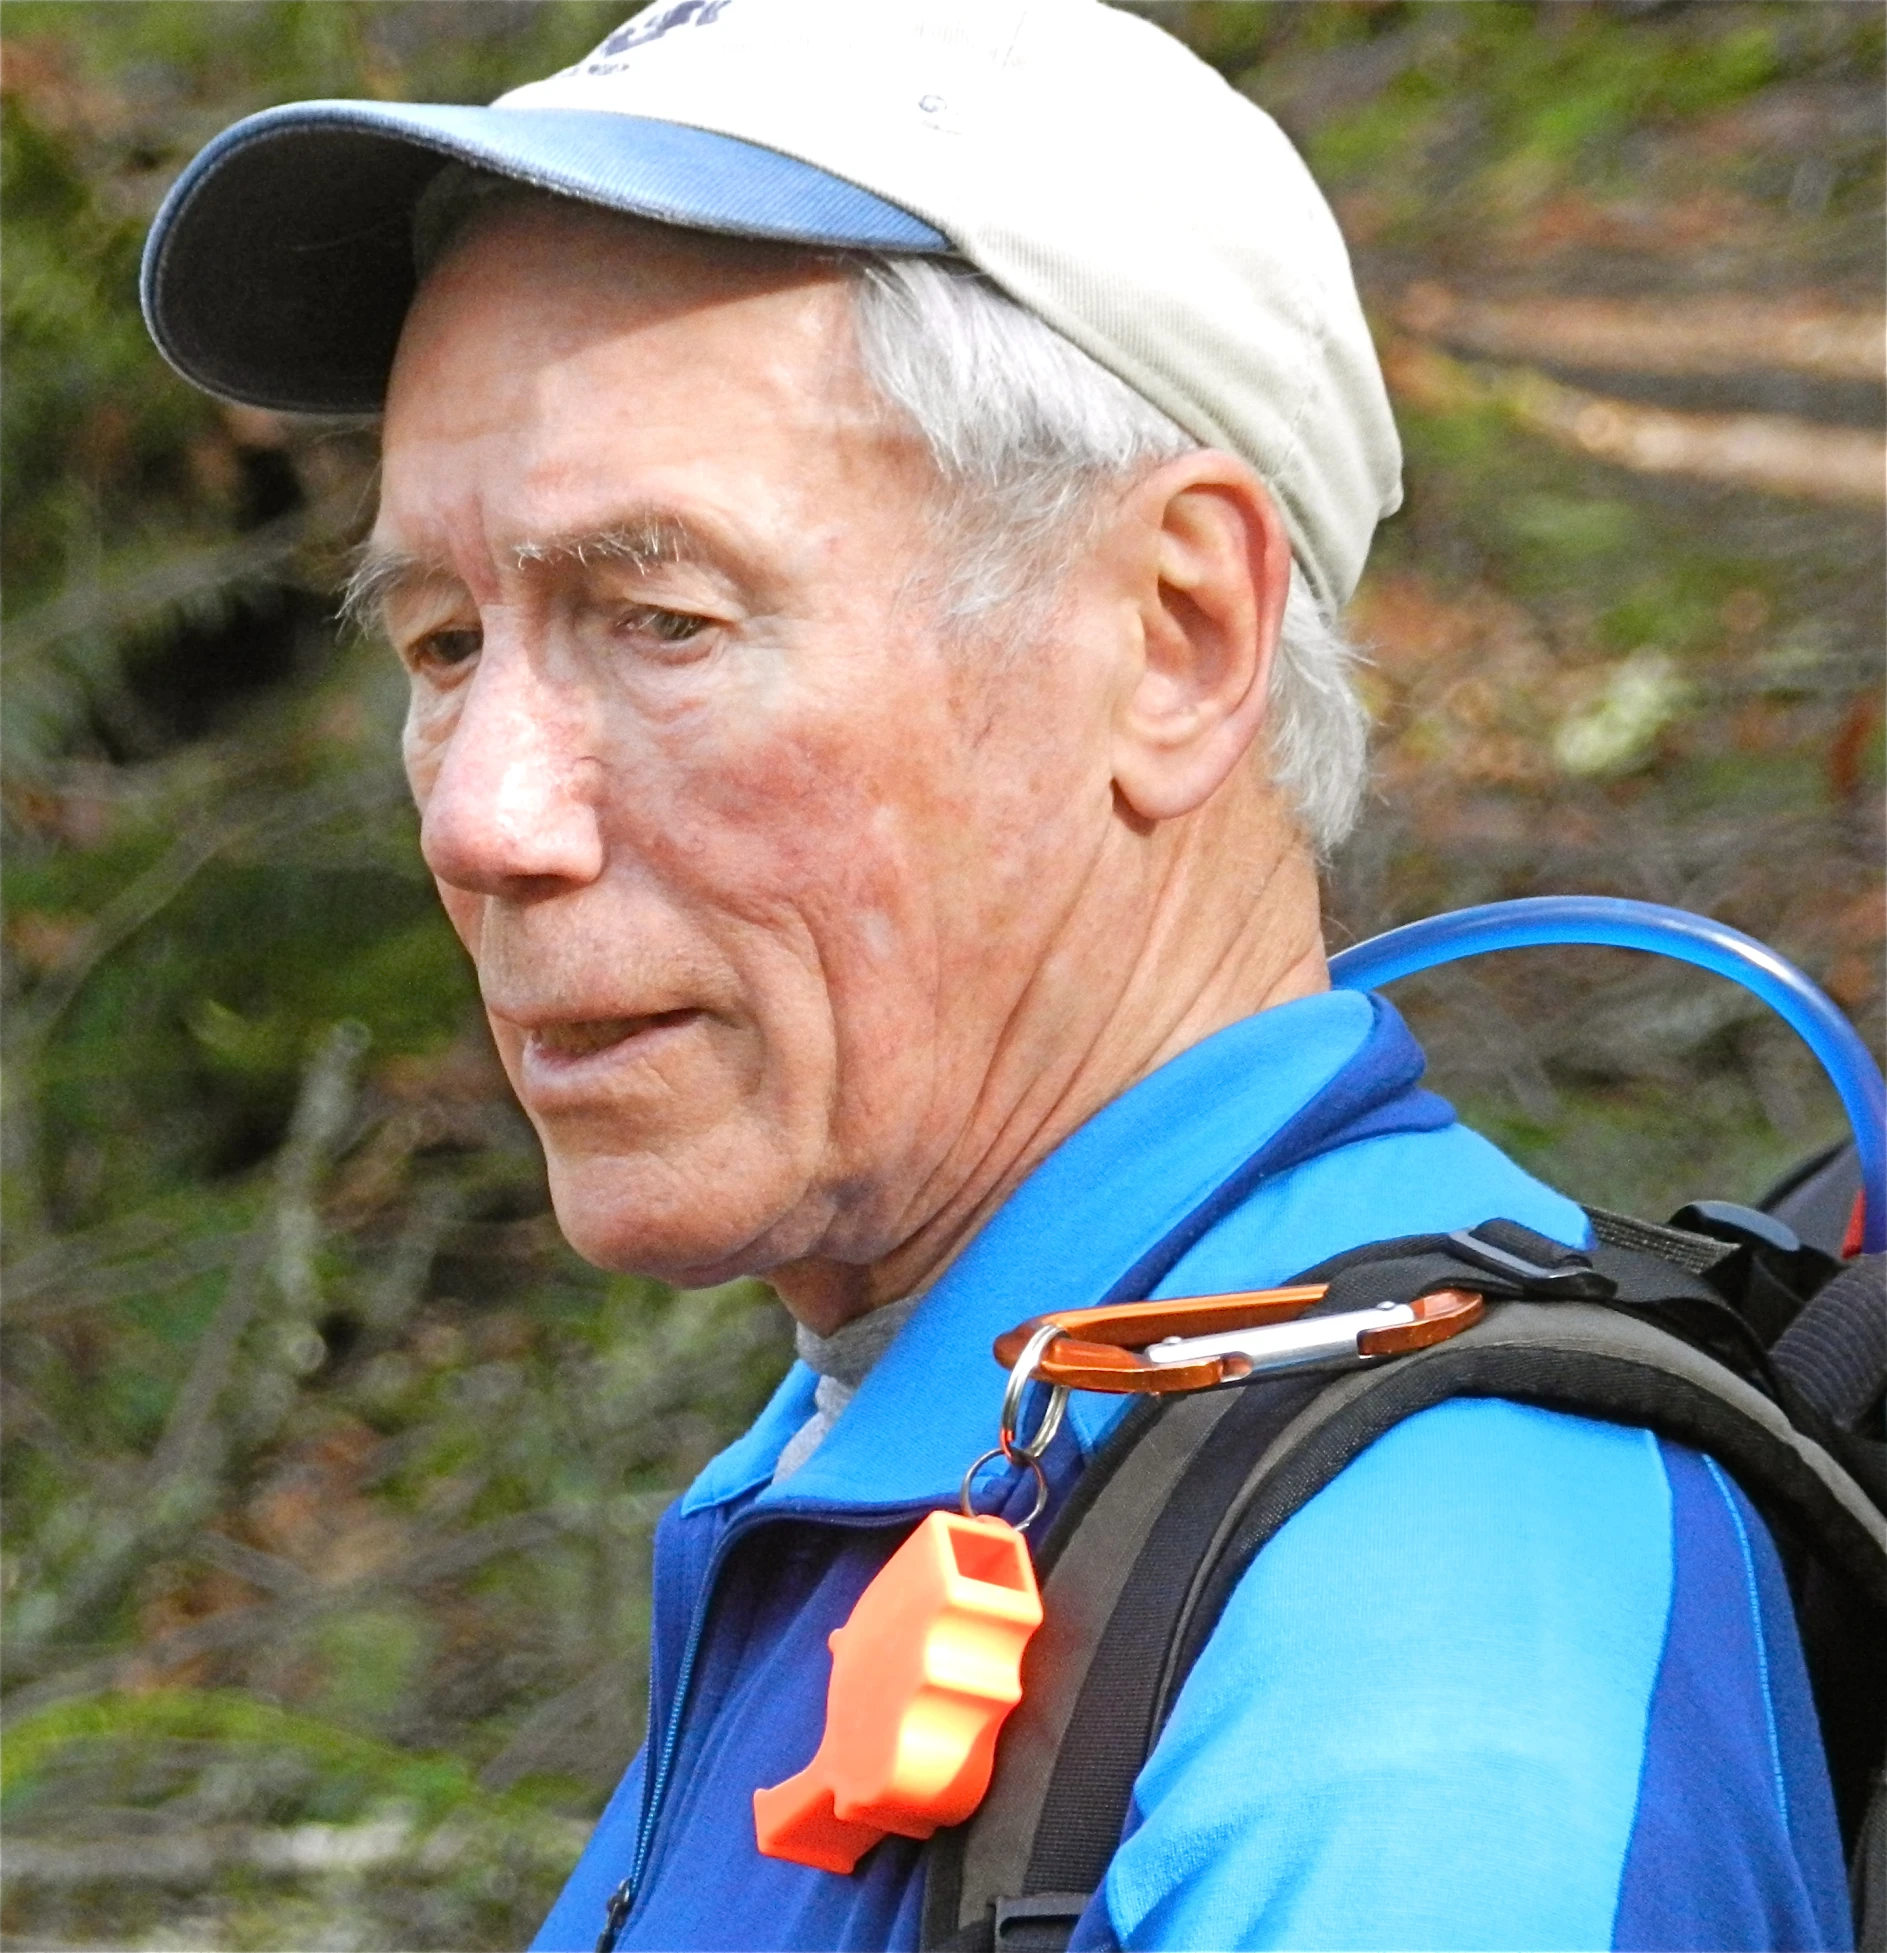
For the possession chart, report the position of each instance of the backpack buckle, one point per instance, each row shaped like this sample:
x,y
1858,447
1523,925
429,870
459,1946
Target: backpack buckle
x,y
1570,1277
1037,1920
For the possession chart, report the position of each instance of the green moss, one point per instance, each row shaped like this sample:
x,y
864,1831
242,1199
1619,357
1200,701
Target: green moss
x,y
1648,1149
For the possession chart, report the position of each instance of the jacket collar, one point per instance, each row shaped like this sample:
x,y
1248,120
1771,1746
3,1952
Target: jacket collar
x,y
1099,1205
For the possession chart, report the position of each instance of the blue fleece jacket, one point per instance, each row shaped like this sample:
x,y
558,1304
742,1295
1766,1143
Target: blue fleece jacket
x,y
1512,1679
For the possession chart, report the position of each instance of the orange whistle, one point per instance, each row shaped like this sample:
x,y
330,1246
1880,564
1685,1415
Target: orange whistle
x,y
923,1674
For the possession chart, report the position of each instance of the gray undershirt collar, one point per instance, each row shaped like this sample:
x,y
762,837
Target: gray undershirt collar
x,y
841,1361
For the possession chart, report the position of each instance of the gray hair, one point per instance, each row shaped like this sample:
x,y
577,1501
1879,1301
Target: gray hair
x,y
1027,431
1028,435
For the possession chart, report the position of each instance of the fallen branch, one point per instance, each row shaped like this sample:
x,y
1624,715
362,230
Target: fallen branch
x,y
544,1735
1686,337
148,894
197,1857
73,1256
121,918
267,1571
320,1117
1773,453
163,1502
43,1301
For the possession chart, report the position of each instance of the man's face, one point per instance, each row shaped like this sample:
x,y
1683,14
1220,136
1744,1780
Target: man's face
x,y
758,866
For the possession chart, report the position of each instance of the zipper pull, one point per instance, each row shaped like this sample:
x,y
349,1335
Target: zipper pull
x,y
616,1916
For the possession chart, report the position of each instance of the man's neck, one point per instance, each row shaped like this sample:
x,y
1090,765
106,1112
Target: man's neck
x,y
1229,926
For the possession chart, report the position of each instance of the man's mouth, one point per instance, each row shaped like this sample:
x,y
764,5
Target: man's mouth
x,y
582,1038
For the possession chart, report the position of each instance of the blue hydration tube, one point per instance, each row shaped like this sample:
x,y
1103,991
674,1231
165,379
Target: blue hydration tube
x,y
1546,921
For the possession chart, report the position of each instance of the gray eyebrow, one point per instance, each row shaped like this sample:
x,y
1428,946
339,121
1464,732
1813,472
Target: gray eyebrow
x,y
374,578
644,540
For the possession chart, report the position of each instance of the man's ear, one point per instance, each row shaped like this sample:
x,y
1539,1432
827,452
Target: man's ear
x,y
1211,564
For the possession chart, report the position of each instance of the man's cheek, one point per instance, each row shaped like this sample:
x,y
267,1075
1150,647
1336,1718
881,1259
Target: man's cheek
x,y
423,736
466,913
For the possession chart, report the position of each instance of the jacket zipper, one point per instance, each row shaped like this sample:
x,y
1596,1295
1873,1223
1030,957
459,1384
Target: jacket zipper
x,y
622,1901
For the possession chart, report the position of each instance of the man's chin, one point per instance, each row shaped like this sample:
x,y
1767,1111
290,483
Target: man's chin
x,y
670,1240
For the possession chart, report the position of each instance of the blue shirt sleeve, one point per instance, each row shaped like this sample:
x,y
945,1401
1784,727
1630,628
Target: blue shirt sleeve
x,y
1736,1841
1430,1715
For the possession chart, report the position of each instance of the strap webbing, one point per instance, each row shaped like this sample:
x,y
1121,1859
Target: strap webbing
x,y
1697,1252
1083,1565
1117,1711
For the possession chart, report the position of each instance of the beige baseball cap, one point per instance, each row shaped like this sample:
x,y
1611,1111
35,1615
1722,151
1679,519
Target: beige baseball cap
x,y
1082,158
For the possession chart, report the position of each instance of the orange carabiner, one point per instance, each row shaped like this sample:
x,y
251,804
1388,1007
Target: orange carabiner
x,y
1129,1347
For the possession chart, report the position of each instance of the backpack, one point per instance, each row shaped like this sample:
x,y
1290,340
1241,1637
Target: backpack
x,y
1758,1337
1726,1333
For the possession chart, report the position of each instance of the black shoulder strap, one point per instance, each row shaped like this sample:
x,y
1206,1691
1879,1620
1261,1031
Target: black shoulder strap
x,y
1170,1515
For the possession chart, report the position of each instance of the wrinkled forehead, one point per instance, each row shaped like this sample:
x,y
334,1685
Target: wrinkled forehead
x,y
561,364
539,277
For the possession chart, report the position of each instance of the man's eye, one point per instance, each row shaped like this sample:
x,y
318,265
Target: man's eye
x,y
665,626
443,649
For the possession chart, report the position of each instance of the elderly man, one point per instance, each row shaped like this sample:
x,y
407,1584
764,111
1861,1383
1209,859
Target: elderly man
x,y
868,487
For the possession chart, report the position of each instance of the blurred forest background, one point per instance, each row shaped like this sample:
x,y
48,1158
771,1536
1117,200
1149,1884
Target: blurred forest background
x,y
329,1471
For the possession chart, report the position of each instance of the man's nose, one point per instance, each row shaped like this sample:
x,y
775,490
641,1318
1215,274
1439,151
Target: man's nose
x,y
512,809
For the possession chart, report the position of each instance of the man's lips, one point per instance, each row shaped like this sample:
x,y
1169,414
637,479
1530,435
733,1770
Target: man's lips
x,y
568,1044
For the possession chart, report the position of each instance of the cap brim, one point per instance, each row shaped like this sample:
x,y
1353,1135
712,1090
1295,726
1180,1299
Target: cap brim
x,y
280,266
